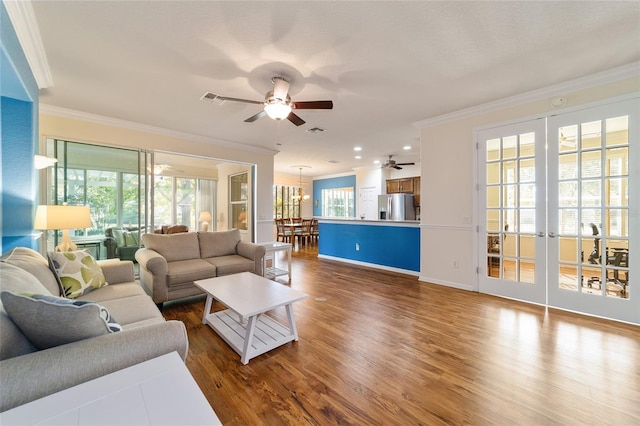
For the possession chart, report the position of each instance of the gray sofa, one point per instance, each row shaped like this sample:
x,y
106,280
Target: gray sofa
x,y
169,264
27,373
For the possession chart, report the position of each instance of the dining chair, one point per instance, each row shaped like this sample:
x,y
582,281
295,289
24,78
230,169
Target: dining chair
x,y
305,232
283,232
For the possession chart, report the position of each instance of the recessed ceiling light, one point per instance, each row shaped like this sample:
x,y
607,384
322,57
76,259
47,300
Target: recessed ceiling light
x,y
358,157
357,148
406,148
376,162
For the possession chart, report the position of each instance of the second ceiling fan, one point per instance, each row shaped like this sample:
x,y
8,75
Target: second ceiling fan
x,y
277,103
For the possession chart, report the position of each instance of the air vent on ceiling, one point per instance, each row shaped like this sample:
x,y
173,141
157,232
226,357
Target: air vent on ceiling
x,y
315,130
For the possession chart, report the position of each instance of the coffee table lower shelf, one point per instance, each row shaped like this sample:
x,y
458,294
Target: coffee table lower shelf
x,y
267,333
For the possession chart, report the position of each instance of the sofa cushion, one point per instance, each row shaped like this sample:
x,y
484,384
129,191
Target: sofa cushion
x,y
50,321
130,239
12,341
182,246
233,264
221,243
35,264
78,271
183,271
113,292
131,310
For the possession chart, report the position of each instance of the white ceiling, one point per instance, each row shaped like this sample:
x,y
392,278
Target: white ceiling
x,y
385,65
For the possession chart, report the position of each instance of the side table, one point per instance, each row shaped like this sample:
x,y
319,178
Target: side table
x,y
271,248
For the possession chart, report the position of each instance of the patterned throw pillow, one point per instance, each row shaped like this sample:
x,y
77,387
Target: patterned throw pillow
x,y
78,272
49,321
130,239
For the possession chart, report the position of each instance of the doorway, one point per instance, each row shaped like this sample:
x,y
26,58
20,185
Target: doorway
x,y
557,198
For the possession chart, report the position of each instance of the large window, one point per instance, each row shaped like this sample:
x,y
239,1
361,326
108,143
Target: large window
x,y
105,179
338,202
286,202
177,200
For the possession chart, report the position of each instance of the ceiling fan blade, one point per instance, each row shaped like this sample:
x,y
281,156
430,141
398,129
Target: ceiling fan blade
x,y
406,164
246,101
255,117
295,119
397,167
313,105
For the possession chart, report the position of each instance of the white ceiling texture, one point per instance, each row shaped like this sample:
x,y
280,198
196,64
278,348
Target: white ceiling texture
x,y
385,65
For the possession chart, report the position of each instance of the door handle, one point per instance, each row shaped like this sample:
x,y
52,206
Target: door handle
x,y
552,234
540,234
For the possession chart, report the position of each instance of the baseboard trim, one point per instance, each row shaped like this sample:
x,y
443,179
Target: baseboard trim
x,y
369,265
445,283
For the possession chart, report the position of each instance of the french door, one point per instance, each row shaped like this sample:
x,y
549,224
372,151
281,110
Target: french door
x,y
559,211
594,206
512,211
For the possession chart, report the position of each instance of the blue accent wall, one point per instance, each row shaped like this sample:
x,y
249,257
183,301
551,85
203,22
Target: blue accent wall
x,y
393,246
338,182
18,124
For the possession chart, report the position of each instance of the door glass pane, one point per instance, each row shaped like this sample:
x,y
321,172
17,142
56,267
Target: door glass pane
x,y
493,173
528,195
617,131
591,164
568,279
592,280
568,193
527,170
568,249
509,145
568,166
527,144
617,221
527,271
510,269
568,138
493,149
591,193
617,161
509,172
591,134
493,197
568,221
616,192
527,246
493,220
510,197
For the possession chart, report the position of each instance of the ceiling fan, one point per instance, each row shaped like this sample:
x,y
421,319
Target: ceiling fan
x,y
391,164
277,103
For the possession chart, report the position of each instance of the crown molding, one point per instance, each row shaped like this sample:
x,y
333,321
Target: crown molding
x,y
26,27
594,80
130,125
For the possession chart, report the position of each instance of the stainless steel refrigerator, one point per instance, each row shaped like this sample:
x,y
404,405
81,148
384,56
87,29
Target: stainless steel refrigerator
x,y
396,207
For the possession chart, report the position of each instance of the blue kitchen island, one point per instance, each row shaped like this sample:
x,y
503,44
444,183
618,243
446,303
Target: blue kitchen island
x,y
383,244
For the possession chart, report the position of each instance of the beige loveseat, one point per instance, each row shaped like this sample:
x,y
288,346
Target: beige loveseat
x,y
169,264
28,373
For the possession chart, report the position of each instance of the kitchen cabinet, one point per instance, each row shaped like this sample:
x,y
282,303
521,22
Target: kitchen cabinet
x,y
406,186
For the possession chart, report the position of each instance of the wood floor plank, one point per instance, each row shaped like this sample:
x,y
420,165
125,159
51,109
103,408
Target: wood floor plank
x,y
378,347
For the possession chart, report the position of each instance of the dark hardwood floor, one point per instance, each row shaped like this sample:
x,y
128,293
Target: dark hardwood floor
x,y
385,349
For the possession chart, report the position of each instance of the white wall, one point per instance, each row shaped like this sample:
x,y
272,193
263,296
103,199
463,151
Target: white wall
x,y
448,182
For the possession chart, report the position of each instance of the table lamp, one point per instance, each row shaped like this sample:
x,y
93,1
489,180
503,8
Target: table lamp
x,y
65,218
204,219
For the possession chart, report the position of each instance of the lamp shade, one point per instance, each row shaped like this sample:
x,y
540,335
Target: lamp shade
x,y
204,217
62,217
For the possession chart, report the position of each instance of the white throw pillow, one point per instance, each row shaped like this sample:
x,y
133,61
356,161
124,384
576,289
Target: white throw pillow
x,y
78,272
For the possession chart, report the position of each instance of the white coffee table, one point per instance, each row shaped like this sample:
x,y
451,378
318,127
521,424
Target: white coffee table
x,y
271,249
243,326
